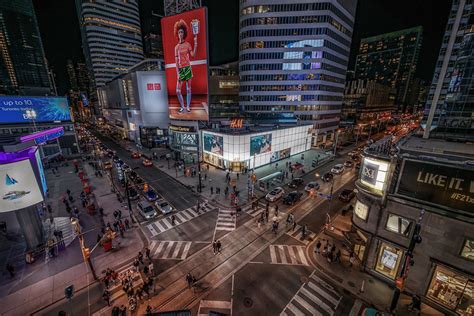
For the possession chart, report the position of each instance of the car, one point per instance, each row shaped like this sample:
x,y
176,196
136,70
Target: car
x,y
292,197
355,157
147,162
296,182
313,185
328,176
146,209
346,195
133,194
297,166
132,175
275,194
150,194
348,164
126,167
163,206
107,165
338,169
139,181
136,155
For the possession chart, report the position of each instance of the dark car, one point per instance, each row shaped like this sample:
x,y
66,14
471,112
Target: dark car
x,y
346,195
328,176
150,195
295,182
133,194
292,197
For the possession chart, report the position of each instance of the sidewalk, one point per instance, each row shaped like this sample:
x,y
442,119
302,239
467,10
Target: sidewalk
x,y
50,290
361,284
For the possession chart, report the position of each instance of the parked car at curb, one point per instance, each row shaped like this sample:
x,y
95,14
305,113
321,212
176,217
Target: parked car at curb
x,y
295,182
346,195
313,185
328,176
163,206
292,197
146,209
275,194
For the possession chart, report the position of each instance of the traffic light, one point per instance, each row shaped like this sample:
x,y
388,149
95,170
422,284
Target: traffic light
x,y
86,252
400,283
69,292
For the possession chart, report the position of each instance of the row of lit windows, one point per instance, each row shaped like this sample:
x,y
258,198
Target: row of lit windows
x,y
295,7
92,8
293,55
112,23
292,108
295,32
286,44
298,87
133,19
290,66
289,98
287,77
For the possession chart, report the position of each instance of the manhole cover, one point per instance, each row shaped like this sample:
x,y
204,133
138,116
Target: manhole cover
x,y
248,302
351,284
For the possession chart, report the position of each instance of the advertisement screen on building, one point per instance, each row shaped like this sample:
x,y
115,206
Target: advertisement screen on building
x,y
214,144
260,144
153,97
374,174
39,164
18,186
33,109
434,183
185,53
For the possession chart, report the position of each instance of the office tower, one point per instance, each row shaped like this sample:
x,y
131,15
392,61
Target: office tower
x,y
449,108
293,60
152,41
111,37
224,91
71,73
391,59
23,67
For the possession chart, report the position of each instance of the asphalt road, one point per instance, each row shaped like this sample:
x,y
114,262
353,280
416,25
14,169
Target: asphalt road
x,y
173,191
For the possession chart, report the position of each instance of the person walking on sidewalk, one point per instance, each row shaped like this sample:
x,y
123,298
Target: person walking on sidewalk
x,y
214,246
337,258
173,219
189,280
351,259
127,224
276,210
294,225
212,190
106,297
317,248
11,270
147,252
219,246
140,257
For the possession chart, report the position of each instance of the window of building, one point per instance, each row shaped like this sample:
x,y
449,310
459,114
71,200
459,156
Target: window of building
x,y
468,249
452,290
398,224
361,210
388,260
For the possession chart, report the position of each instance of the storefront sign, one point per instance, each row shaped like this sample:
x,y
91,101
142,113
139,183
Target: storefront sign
x,y
182,129
448,186
374,174
236,123
361,210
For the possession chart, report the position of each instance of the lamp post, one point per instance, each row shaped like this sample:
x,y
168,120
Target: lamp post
x,y
358,133
85,251
335,144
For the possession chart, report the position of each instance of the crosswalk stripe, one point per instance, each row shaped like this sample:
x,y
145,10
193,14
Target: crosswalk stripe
x,y
324,284
168,249
295,310
323,294
281,252
160,226
185,251
167,222
285,254
192,212
272,254
177,249
314,299
292,254
160,247
181,216
302,256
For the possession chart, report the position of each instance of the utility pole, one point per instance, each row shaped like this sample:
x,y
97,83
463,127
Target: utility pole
x,y
85,251
400,282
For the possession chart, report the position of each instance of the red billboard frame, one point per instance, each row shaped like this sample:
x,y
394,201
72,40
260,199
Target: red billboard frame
x,y
186,63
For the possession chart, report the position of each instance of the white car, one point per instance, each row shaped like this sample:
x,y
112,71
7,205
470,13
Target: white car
x,y
146,209
275,194
313,185
163,206
337,169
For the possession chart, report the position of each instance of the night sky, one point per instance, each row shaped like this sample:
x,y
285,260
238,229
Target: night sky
x,y
61,36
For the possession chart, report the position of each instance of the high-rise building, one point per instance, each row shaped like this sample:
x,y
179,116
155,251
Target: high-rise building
x,y
391,59
224,91
293,59
449,109
23,67
71,73
111,37
152,41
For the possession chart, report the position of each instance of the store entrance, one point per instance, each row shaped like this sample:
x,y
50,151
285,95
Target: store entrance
x,y
237,166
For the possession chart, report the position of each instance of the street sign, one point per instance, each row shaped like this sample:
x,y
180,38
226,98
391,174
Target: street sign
x,y
69,292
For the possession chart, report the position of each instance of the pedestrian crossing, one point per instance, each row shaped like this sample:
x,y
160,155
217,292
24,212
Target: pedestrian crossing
x,y
316,297
126,272
169,249
297,234
288,254
226,220
207,307
260,207
164,224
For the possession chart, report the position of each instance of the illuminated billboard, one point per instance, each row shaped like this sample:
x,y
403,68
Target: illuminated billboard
x,y
185,53
18,186
260,144
42,177
214,144
24,109
374,174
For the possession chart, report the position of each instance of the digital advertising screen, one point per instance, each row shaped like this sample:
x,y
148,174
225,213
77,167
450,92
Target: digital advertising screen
x,y
24,109
260,144
214,144
186,64
18,186
41,171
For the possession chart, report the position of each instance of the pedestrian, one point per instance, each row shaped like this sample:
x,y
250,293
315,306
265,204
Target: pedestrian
x,y
189,280
317,249
219,246
106,297
214,246
173,218
333,248
276,210
115,214
68,192
11,270
136,264
148,311
50,210
237,176
294,225
303,233
338,256
226,191
140,257
351,259
119,214
127,224
218,190
330,257
205,176
147,252
123,310
212,190
267,214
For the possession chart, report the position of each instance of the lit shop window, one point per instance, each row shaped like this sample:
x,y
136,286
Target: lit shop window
x,y
388,260
361,210
468,249
398,224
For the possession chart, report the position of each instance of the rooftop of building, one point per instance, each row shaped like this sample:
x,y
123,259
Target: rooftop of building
x,y
453,151
392,34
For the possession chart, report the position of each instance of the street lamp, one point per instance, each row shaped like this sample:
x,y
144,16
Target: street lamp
x,y
337,137
85,251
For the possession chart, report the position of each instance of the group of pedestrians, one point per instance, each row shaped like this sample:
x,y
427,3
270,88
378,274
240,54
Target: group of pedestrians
x,y
191,281
216,246
329,251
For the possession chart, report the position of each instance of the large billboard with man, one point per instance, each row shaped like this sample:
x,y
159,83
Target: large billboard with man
x,y
185,50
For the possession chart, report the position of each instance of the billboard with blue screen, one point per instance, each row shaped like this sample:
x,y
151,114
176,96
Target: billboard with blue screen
x,y
24,109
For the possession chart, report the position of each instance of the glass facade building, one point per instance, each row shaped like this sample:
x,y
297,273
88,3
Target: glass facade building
x,y
23,67
293,57
449,109
111,37
391,59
